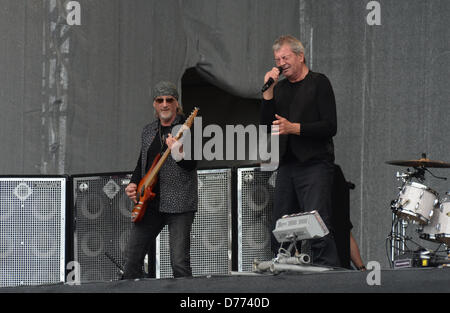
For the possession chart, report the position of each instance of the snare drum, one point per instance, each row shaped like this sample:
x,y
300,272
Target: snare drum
x,y
416,203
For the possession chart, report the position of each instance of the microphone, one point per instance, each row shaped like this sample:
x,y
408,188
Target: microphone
x,y
270,81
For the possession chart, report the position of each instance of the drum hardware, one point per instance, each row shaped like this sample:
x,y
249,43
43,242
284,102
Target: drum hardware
x,y
419,205
420,258
397,237
419,174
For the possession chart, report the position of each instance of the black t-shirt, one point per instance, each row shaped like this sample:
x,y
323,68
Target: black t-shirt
x,y
311,103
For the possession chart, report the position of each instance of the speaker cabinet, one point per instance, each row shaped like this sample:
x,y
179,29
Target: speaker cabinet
x,y
211,234
32,230
102,224
254,208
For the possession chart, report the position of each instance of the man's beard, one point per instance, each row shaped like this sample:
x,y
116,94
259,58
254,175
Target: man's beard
x,y
165,115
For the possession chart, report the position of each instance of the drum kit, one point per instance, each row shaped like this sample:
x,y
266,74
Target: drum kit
x,y
423,207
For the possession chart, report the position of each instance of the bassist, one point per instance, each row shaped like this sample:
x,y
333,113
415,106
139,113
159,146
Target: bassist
x,y
175,201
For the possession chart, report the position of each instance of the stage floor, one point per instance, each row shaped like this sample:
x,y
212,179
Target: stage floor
x,y
423,280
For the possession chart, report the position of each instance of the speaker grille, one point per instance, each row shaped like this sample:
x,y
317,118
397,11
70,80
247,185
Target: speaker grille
x,y
211,230
102,225
255,197
32,231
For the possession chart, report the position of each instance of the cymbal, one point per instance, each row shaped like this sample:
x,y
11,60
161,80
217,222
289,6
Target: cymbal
x,y
424,162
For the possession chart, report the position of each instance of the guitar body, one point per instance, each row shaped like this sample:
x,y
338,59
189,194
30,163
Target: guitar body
x,y
145,193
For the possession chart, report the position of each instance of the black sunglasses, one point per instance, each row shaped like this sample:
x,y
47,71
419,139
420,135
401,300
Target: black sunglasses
x,y
168,100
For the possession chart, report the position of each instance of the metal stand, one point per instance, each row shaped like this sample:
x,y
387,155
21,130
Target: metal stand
x,y
284,261
116,263
398,237
398,229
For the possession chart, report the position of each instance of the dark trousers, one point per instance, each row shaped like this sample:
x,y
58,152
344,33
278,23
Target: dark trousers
x,y
144,233
304,188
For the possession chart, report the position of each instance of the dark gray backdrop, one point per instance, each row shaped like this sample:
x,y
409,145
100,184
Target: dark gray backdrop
x,y
74,98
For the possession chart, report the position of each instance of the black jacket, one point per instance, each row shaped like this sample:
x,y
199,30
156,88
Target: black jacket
x,y
177,184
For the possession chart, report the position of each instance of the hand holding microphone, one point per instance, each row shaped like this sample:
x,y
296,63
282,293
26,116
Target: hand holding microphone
x,y
271,77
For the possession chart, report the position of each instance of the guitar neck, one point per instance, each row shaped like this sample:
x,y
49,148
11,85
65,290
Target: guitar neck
x,y
164,157
157,167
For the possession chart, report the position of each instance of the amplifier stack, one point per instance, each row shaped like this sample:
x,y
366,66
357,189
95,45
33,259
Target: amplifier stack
x,y
46,223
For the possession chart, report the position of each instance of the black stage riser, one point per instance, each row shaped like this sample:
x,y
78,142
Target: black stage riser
x,y
391,281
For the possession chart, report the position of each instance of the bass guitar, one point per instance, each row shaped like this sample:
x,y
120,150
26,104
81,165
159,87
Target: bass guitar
x,y
144,193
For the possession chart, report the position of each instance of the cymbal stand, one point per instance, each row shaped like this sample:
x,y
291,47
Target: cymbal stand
x,y
419,174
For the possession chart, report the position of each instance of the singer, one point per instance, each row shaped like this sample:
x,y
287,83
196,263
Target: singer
x,y
303,110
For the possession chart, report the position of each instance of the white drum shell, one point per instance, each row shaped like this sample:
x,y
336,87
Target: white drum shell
x,y
431,229
438,229
416,203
